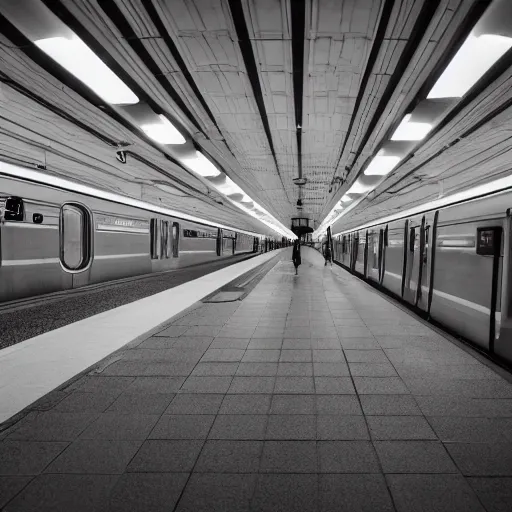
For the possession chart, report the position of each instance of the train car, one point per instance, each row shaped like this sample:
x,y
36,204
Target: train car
x,y
53,239
451,264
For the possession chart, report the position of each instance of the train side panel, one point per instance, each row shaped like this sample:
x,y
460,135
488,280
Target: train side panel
x,y
122,241
29,255
121,247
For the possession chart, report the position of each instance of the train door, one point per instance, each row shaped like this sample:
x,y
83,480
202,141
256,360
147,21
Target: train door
x,y
374,243
392,267
76,242
354,251
427,247
503,309
175,239
360,260
383,242
166,241
412,260
365,259
219,242
405,257
465,295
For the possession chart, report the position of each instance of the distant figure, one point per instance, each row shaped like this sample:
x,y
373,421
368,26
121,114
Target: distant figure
x,y
296,256
327,253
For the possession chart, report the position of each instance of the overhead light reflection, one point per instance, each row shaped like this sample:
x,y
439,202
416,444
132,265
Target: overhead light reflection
x,y
229,187
380,166
408,130
163,132
359,188
201,165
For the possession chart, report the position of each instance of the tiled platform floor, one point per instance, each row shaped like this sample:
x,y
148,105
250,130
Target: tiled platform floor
x,y
314,393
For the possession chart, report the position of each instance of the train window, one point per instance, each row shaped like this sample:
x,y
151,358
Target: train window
x,y
376,243
155,239
12,208
175,239
75,237
219,242
412,239
165,239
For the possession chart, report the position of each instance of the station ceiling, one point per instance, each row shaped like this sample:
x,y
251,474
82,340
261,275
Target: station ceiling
x,y
269,91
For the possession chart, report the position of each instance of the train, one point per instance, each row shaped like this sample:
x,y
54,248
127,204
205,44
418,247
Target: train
x,y
451,265
52,239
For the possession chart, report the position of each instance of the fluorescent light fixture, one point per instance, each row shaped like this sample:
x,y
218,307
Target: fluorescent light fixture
x,y
358,188
345,199
54,181
229,187
163,132
77,58
408,130
380,166
470,63
201,165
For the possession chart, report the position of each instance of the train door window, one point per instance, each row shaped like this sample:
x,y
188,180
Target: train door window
x,y
175,239
379,250
425,248
75,237
165,239
375,262
155,239
412,239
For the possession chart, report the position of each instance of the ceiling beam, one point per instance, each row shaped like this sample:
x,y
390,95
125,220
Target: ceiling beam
x,y
372,59
298,11
424,19
115,15
245,43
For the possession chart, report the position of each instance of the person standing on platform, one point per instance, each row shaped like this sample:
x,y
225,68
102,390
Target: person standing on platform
x,y
327,254
296,256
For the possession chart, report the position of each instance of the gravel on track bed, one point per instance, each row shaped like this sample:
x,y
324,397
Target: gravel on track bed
x,y
27,322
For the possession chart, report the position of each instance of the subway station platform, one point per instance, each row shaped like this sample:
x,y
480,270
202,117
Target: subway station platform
x,y
313,393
